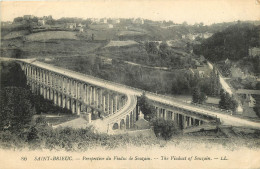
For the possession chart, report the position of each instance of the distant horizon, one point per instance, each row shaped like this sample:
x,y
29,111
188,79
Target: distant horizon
x,y
190,11
140,18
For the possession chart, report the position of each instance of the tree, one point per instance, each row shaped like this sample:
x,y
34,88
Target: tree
x,y
12,75
214,82
184,23
151,47
147,109
164,128
198,96
97,64
227,102
92,37
16,109
18,19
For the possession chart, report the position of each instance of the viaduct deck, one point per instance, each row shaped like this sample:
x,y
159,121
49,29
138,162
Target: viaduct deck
x,y
130,91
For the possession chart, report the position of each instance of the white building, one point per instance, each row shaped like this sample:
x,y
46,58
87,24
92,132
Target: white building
x,y
71,25
139,21
81,29
116,20
104,20
41,22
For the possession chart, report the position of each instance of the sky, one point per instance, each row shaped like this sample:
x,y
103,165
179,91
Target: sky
x,y
191,11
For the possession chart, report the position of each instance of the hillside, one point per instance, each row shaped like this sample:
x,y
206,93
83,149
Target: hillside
x,y
232,43
50,35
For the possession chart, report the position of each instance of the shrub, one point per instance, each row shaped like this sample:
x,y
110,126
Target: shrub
x,y
164,128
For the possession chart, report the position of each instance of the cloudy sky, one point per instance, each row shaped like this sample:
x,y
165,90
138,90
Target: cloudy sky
x,y
192,11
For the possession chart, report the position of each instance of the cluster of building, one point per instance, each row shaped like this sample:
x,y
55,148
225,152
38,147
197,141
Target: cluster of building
x,y
193,36
74,26
42,20
116,20
104,23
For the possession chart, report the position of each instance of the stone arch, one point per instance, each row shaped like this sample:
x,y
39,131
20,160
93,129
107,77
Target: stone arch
x,y
115,126
122,124
73,107
48,93
78,108
181,121
41,90
44,92
127,122
131,119
68,104
59,99
55,97
64,101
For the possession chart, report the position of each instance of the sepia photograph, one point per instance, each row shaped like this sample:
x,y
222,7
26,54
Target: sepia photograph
x,y
130,84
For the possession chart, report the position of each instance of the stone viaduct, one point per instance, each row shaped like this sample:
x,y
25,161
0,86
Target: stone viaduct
x,y
114,103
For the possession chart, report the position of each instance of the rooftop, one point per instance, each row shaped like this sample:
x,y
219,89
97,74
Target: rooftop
x,y
245,91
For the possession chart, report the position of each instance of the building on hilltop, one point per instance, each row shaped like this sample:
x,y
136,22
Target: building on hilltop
x,y
115,21
103,20
71,25
41,22
139,21
95,20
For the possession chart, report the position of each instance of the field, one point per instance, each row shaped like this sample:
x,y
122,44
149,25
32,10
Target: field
x,y
135,53
121,43
15,34
130,33
60,48
49,35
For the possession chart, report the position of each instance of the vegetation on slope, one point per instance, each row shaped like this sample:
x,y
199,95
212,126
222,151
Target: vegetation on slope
x,y
177,82
232,43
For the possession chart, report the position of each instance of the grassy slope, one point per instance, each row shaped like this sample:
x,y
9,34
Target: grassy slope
x,y
45,36
15,34
121,43
57,48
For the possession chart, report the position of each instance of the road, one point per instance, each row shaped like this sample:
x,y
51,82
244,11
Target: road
x,y
225,118
226,87
150,67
